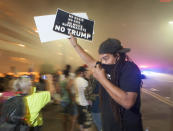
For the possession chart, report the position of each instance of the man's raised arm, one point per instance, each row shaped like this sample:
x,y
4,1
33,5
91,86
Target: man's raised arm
x,y
90,61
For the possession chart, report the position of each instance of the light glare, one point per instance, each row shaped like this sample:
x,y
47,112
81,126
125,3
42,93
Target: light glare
x,y
170,22
21,45
143,66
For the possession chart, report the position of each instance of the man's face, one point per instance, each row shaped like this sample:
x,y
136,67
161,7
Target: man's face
x,y
107,59
83,74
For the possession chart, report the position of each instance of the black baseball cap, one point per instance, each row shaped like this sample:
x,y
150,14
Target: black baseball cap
x,y
80,69
112,46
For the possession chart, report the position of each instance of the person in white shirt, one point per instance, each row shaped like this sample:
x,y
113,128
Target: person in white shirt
x,y
80,84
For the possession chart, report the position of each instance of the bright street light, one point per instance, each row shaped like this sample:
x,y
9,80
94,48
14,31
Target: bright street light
x,y
170,22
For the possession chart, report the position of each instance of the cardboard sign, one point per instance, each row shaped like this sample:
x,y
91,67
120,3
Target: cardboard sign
x,y
67,23
45,25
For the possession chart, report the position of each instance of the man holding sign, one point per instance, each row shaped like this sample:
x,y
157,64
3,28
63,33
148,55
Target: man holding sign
x,y
120,82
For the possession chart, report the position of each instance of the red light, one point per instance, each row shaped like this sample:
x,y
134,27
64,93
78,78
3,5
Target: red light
x,y
165,0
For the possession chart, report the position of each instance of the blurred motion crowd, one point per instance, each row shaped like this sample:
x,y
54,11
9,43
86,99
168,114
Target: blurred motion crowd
x,y
23,97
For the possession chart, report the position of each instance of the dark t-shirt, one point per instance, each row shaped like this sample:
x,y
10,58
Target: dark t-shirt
x,y
129,81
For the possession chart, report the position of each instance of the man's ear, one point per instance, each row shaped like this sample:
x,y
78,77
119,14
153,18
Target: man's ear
x,y
117,56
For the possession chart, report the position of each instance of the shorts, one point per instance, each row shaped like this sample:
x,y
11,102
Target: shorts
x,y
84,116
69,108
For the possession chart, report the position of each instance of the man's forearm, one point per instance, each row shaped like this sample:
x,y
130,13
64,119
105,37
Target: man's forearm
x,y
85,56
117,94
114,91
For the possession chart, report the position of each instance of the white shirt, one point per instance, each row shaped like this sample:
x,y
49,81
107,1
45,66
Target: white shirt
x,y
80,85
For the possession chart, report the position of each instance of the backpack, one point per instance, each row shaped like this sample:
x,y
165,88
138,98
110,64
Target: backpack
x,y
12,115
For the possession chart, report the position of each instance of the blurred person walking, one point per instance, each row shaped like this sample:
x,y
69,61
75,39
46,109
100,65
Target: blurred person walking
x,y
80,84
31,105
92,96
68,101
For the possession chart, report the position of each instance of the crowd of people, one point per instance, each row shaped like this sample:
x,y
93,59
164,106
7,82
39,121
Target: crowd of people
x,y
67,89
104,92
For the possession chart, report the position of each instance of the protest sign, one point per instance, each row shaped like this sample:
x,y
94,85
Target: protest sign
x,y
67,23
45,25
